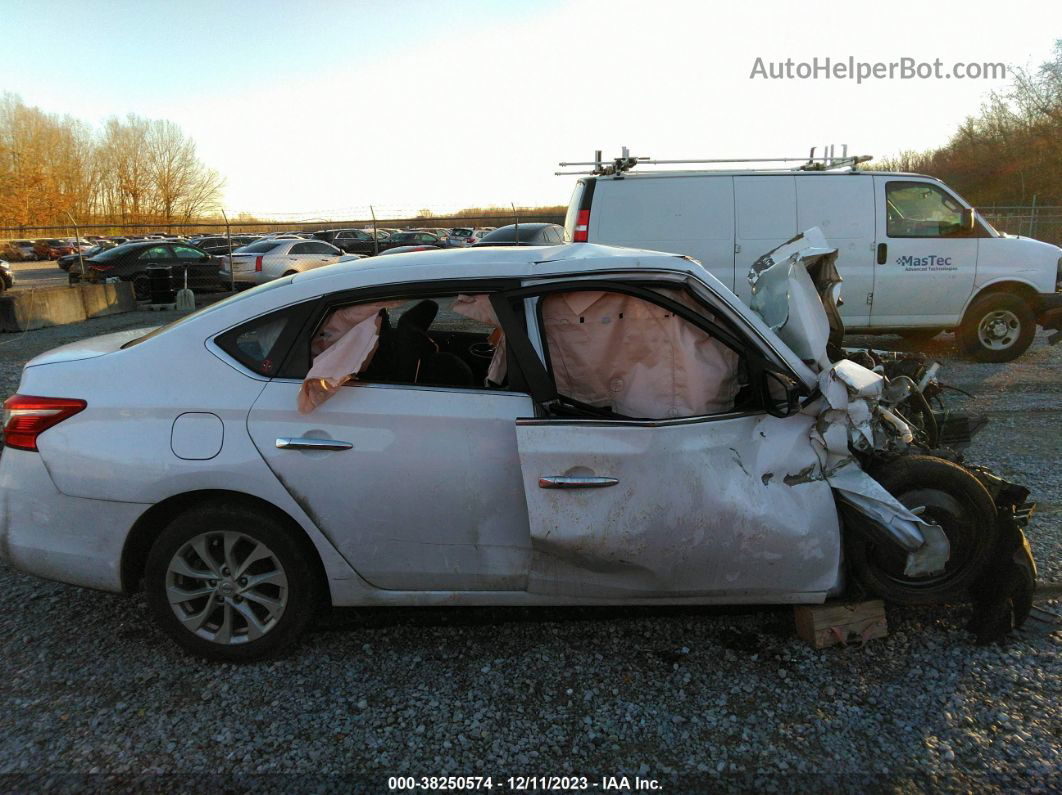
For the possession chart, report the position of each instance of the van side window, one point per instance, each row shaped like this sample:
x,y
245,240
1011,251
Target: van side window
x,y
919,209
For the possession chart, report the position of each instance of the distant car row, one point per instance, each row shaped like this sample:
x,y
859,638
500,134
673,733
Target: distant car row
x,y
256,259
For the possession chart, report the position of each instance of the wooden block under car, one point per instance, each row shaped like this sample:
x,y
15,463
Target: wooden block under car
x,y
841,622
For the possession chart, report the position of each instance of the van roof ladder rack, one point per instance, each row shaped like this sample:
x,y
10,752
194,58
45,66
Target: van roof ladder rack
x,y
625,162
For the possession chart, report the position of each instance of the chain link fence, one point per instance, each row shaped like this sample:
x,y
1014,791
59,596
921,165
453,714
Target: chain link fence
x,y
1041,223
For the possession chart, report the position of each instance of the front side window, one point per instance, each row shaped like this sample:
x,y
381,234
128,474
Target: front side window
x,y
630,357
920,209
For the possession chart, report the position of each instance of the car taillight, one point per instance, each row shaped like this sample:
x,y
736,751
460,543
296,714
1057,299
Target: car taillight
x,y
101,267
27,417
258,264
582,227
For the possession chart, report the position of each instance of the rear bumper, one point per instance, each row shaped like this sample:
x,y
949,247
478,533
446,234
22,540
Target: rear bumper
x,y
46,533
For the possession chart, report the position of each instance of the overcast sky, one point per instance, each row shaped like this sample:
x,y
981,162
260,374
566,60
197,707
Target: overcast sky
x,y
318,109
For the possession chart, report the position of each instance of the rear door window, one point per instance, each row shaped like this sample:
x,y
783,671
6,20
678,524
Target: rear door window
x,y
261,344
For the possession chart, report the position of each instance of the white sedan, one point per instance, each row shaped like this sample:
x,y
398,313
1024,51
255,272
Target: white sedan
x,y
265,260
565,425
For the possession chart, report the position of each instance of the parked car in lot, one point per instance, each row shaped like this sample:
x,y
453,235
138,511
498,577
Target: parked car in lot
x,y
52,248
533,234
408,249
272,258
7,277
413,238
916,257
25,249
69,260
523,426
219,244
352,241
130,262
461,236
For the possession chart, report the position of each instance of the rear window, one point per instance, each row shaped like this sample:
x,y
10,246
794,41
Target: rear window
x,y
261,247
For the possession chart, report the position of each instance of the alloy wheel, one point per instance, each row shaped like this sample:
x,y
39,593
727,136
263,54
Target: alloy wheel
x,y
226,587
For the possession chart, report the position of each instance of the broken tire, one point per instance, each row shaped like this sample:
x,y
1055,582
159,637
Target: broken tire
x,y
952,498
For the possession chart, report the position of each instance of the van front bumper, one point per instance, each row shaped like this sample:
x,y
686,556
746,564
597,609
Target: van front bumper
x,y
1049,315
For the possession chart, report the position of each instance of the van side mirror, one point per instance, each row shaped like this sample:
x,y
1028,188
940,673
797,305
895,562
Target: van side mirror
x,y
780,394
968,220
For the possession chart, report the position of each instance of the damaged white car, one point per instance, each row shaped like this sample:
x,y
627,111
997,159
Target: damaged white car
x,y
576,424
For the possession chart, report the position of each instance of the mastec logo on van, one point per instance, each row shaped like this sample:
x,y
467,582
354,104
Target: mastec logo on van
x,y
930,262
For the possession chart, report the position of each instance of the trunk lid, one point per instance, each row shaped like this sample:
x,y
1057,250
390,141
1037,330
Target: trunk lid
x,y
90,348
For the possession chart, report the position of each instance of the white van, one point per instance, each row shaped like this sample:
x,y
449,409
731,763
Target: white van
x,y
915,257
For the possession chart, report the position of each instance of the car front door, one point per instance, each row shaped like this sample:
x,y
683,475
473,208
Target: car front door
x,y
925,260
657,481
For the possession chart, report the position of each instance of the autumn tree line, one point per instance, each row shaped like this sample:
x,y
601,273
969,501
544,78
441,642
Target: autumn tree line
x,y
1008,154
129,171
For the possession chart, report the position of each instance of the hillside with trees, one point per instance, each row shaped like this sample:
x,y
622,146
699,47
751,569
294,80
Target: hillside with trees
x,y
132,170
1010,152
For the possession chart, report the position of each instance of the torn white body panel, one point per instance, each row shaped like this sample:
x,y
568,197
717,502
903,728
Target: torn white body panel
x,y
848,414
714,506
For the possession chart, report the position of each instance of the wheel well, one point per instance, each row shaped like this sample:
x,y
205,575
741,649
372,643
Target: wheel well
x,y
1019,289
154,520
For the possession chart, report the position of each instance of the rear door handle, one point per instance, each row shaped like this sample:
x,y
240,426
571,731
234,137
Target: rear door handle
x,y
883,253
307,443
568,482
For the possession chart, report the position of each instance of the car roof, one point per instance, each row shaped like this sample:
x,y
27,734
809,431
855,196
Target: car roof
x,y
504,261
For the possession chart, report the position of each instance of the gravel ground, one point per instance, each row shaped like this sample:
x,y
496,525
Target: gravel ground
x,y
694,698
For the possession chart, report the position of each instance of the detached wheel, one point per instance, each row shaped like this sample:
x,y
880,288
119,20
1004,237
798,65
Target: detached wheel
x,y
997,328
947,495
141,287
231,584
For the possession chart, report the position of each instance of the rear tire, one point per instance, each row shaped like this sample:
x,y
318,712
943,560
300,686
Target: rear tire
x,y
952,498
998,327
230,583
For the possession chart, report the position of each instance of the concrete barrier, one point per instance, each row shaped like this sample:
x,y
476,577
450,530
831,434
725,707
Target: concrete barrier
x,y
39,307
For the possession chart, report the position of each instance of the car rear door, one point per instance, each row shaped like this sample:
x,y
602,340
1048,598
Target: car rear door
x,y
711,506
417,486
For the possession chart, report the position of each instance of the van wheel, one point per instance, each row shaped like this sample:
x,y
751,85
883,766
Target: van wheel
x,y
997,327
230,583
950,497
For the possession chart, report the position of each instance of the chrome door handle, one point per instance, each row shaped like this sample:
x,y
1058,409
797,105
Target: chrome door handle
x,y
307,443
567,482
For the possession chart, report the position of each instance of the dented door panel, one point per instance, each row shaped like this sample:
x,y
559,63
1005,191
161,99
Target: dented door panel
x,y
719,506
